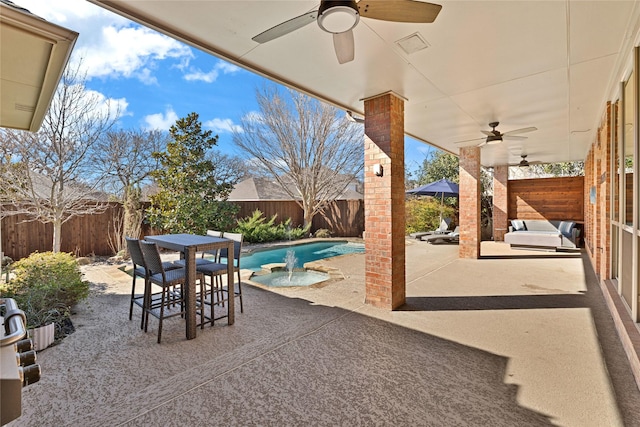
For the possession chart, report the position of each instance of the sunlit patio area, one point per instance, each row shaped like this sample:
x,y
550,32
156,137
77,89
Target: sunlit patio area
x,y
515,338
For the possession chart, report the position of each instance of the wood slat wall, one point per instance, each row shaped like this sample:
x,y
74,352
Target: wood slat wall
x,y
547,198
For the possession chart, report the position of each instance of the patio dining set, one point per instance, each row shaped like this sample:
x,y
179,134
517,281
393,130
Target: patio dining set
x,y
180,288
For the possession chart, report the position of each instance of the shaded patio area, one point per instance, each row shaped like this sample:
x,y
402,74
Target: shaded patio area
x,y
516,338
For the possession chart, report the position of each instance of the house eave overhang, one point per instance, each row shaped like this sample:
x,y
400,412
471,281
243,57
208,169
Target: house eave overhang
x,y
34,54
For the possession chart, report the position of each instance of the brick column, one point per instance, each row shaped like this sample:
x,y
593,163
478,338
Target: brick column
x,y
604,190
469,202
384,201
500,202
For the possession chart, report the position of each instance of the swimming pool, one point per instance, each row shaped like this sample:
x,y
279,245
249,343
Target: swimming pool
x,y
304,253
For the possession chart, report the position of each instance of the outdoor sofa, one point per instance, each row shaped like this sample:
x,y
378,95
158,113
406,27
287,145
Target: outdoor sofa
x,y
543,233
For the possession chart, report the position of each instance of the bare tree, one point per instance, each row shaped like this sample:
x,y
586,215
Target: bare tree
x,y
310,148
229,168
48,174
124,158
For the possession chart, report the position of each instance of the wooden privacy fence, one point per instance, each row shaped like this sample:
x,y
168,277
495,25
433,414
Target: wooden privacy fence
x,y
82,235
90,234
547,198
343,218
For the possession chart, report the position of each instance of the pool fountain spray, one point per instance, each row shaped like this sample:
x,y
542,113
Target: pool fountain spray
x,y
290,261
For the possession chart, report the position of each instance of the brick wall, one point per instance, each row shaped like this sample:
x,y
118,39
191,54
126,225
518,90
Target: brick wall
x,y
598,214
500,201
469,202
384,202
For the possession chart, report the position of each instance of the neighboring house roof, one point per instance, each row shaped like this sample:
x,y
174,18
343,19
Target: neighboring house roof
x,y
269,189
41,186
33,53
258,189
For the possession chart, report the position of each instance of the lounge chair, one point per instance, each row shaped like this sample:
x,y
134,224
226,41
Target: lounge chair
x,y
443,229
451,237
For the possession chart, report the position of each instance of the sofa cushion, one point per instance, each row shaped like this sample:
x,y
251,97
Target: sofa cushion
x,y
540,225
518,225
534,238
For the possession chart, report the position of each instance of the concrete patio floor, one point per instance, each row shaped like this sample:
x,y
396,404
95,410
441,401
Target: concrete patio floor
x,y
518,338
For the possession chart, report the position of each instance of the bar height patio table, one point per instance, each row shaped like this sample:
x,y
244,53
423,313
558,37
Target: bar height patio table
x,y
189,245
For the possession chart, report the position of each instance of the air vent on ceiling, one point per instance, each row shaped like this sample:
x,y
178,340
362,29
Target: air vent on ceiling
x,y
27,108
413,43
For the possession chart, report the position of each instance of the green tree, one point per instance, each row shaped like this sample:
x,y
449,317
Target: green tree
x,y
424,214
438,165
560,169
191,197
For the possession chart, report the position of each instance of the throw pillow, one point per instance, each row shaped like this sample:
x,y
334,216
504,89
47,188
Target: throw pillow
x,y
518,225
565,227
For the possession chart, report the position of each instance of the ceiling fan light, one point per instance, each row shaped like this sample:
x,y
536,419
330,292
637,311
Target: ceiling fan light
x,y
338,16
491,140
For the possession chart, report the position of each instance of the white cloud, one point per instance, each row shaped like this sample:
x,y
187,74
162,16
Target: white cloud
x,y
253,117
130,52
102,105
211,76
109,45
161,121
222,126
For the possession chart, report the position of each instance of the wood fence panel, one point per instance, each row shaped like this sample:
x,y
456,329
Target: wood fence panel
x,y
283,208
83,235
547,198
344,218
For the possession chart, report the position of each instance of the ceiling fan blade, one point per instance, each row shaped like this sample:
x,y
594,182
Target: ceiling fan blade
x,y
514,137
344,46
469,140
400,11
488,132
286,27
523,130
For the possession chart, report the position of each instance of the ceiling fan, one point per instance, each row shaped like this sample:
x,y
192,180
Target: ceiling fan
x,y
524,163
340,18
494,136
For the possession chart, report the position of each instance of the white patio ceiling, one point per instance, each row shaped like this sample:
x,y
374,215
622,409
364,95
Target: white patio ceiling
x,y
548,64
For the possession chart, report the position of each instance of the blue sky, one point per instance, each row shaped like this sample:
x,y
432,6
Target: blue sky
x,y
155,80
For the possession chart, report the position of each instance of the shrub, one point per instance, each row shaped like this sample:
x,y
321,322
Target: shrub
x,y
257,229
293,233
424,214
322,233
46,285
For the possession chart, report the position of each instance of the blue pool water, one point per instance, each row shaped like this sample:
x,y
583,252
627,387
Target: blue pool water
x,y
305,252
